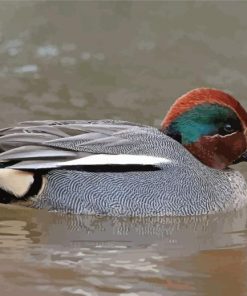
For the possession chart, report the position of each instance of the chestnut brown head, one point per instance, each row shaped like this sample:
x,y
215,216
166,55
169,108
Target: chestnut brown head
x,y
211,125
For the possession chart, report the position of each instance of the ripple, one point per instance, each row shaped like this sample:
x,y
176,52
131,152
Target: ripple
x,y
13,47
68,61
77,291
85,56
32,68
48,51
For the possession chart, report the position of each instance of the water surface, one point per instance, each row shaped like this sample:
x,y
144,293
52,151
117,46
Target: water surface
x,y
88,255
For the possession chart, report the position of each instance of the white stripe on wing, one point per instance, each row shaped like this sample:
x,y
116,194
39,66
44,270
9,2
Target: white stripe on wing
x,y
121,159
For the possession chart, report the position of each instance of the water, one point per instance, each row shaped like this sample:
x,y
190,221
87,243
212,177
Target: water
x,y
122,60
88,255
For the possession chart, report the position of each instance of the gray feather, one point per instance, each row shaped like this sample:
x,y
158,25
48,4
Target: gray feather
x,y
32,152
35,165
14,140
39,140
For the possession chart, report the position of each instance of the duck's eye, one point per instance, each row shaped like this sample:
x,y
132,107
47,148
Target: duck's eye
x,y
228,128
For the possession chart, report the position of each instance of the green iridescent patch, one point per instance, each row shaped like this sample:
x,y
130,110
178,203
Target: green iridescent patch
x,y
202,120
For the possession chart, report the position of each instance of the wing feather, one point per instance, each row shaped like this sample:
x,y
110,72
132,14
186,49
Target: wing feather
x,y
42,144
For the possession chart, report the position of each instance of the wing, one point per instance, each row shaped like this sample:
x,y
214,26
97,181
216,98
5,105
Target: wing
x,y
48,144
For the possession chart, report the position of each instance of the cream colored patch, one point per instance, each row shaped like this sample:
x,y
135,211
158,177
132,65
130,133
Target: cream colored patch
x,y
15,182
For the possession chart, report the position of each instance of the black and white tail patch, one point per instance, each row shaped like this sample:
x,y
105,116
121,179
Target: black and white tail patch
x,y
17,184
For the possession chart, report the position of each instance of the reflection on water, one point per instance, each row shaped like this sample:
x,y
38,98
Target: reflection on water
x,y
125,60
89,255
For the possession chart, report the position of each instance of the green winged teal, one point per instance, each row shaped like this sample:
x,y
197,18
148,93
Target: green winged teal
x,y
108,167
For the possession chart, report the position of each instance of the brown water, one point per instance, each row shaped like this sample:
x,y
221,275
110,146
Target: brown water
x,y
128,60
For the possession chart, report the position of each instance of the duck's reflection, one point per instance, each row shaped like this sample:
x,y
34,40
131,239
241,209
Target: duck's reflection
x,y
192,234
194,254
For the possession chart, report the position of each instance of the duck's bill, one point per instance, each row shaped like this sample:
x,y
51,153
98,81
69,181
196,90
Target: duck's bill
x,y
243,157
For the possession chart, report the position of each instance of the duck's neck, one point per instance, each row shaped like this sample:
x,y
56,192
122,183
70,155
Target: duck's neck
x,y
212,151
199,150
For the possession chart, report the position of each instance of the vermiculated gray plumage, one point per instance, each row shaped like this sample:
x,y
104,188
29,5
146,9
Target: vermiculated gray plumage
x,y
182,186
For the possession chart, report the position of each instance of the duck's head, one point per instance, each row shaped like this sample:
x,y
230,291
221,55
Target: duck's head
x,y
211,124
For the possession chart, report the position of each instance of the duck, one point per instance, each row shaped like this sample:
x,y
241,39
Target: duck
x,y
119,168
